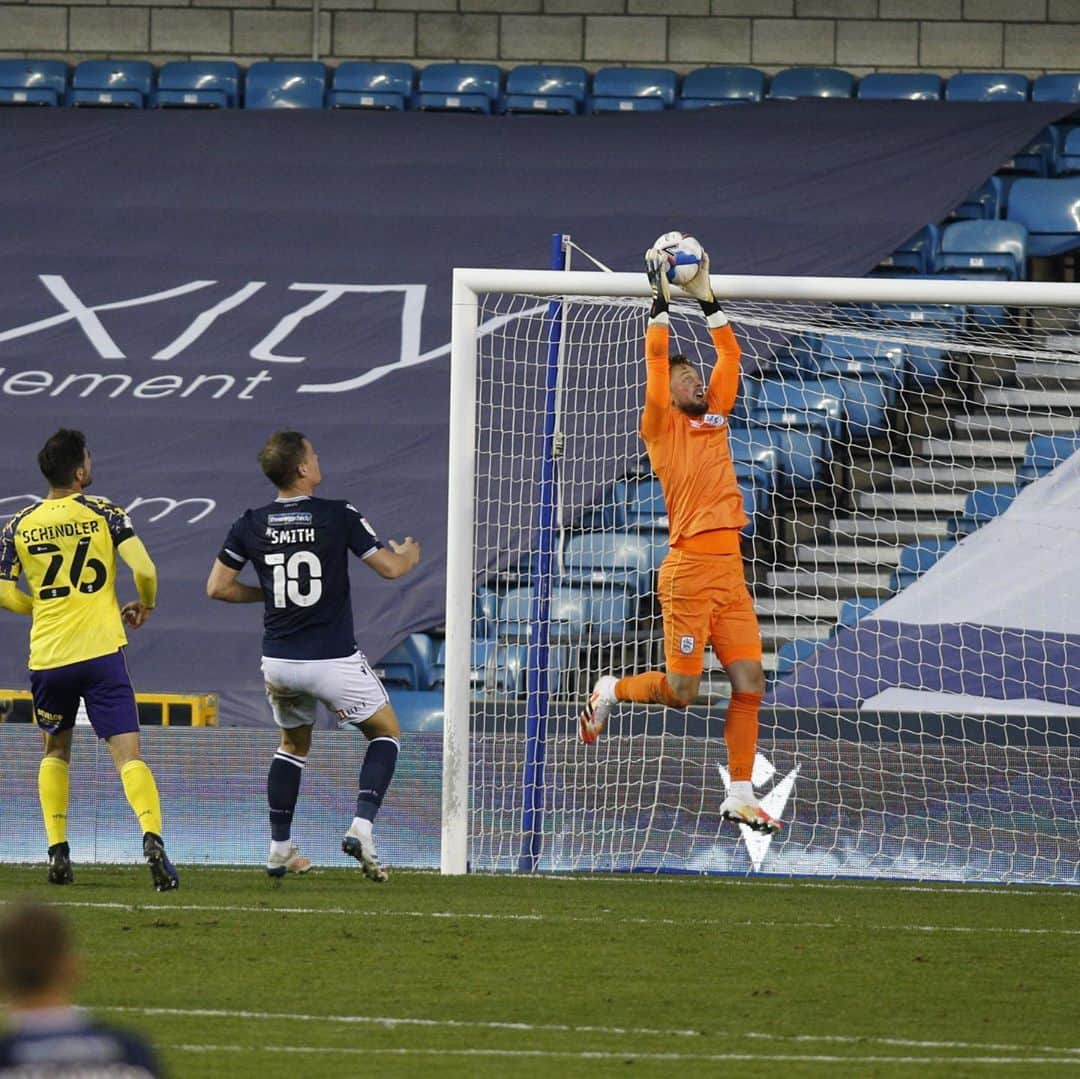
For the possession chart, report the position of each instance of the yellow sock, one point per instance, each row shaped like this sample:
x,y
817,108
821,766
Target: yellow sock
x,y
53,791
142,795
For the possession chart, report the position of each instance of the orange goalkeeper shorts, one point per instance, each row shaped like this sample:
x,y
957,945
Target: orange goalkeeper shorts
x,y
704,597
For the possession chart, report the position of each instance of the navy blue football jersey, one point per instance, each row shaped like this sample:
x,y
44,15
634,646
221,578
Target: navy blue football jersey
x,y
68,1044
299,547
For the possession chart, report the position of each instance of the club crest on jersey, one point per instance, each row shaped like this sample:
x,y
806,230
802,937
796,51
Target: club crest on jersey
x,y
686,645
710,419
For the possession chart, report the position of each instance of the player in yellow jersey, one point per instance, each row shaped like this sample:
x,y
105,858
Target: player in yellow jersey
x,y
66,546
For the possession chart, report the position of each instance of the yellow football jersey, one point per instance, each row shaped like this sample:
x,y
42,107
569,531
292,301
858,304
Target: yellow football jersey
x,y
67,549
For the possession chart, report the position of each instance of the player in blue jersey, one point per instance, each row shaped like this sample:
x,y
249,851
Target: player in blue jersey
x,y
66,545
299,547
46,1035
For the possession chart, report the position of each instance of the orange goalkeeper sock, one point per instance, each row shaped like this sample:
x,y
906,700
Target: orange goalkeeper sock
x,y
651,688
740,733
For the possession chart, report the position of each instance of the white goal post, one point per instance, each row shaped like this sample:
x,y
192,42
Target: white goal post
x,y
511,764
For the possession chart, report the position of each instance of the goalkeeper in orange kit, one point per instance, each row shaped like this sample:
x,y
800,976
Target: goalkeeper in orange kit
x,y
702,586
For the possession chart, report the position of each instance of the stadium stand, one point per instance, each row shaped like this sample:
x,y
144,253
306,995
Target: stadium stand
x,y
914,256
1057,87
459,88
1043,454
1067,162
371,85
916,558
981,506
409,664
985,203
792,652
886,86
708,86
122,84
203,84
285,84
33,82
800,82
546,88
633,89
987,86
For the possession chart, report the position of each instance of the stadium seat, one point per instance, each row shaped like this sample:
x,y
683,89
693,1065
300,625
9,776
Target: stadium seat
x,y
640,504
506,670
982,505
418,711
1057,87
285,84
887,86
125,84
854,355
33,82
985,203
799,402
804,453
916,558
914,256
855,609
801,82
1067,162
359,84
633,89
1034,159
987,86
1043,454
575,612
459,88
409,664
485,612
205,84
479,649
546,88
792,653
623,558
708,86
1050,210
991,249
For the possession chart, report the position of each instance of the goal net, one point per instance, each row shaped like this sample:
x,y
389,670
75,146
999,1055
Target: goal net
x,y
905,455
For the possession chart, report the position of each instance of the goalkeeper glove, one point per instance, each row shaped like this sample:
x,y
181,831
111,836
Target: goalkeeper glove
x,y
656,265
700,287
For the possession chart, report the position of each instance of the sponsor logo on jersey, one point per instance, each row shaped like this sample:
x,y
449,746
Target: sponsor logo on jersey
x,y
290,519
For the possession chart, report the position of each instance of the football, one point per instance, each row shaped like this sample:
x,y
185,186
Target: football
x,y
684,256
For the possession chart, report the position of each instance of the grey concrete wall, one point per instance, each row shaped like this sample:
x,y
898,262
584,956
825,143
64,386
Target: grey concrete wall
x,y
1031,36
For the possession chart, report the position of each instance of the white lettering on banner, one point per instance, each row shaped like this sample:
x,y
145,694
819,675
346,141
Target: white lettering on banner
x,y
757,843
169,506
30,383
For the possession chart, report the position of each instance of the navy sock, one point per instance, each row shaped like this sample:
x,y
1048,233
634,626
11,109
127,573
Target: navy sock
x,y
282,790
375,776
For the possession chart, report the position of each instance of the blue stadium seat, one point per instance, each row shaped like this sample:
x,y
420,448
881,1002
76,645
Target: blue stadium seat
x,y
633,89
485,611
985,203
418,712
506,670
799,402
575,612
546,88
855,609
916,558
855,355
408,664
285,84
204,84
1057,87
479,650
797,82
708,86
987,86
459,88
981,506
623,558
1068,161
992,249
914,256
639,503
1050,210
791,653
804,454
1034,159
1043,454
125,84
887,86
33,82
362,84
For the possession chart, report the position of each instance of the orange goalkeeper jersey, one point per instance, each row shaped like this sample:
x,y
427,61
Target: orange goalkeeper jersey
x,y
690,454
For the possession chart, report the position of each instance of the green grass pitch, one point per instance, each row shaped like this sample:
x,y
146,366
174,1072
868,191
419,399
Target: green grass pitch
x,y
330,975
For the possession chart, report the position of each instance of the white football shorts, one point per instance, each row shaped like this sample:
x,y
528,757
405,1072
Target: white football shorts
x,y
347,686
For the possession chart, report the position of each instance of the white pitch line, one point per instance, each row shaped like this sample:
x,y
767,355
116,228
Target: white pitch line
x,y
391,1022
595,1054
573,919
